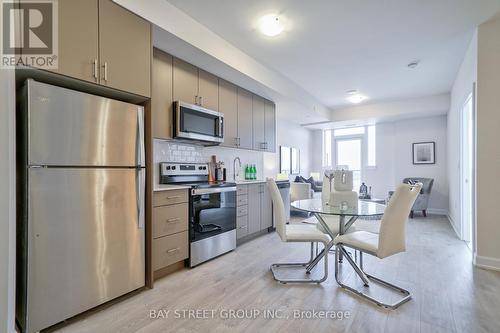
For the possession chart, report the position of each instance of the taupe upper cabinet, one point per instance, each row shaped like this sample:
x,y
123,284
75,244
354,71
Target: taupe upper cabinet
x,y
124,49
195,86
245,119
258,111
78,39
208,90
185,82
270,126
228,104
161,95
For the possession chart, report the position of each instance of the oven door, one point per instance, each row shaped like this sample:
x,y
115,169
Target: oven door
x,y
197,123
213,212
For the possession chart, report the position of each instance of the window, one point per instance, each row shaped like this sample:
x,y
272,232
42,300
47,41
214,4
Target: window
x,y
349,131
349,154
327,148
371,146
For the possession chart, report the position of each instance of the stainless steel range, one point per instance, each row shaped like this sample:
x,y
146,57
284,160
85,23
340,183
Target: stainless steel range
x,y
212,210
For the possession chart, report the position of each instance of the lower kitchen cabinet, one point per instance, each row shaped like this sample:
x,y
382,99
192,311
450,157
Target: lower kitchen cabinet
x,y
254,211
170,228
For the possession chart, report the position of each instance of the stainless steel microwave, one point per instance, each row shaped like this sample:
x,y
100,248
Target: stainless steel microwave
x,y
194,122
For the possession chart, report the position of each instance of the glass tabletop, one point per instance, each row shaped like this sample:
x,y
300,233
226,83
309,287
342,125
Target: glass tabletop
x,y
365,208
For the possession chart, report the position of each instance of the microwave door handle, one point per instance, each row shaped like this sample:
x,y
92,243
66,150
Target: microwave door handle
x,y
220,127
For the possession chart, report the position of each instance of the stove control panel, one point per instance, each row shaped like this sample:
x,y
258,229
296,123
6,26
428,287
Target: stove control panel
x,y
183,169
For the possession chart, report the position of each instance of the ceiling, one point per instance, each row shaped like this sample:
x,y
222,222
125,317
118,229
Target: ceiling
x,y
332,46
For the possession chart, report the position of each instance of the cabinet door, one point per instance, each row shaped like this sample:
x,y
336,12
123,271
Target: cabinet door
x,y
258,114
228,104
125,49
161,95
266,218
270,126
244,119
254,208
78,39
185,82
208,90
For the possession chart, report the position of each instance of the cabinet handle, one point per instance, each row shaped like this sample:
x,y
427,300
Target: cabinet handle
x,y
177,219
95,69
105,66
173,250
174,197
200,99
196,99
243,227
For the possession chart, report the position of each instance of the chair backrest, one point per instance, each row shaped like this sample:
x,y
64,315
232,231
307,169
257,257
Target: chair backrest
x,y
278,207
392,236
325,189
426,183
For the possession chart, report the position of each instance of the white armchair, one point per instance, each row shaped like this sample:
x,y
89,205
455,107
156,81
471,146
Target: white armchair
x,y
300,191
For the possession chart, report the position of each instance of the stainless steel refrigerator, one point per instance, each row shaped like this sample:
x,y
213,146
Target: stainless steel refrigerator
x,y
81,217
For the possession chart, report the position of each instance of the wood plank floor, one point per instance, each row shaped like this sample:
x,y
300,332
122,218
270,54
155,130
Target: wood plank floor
x,y
449,294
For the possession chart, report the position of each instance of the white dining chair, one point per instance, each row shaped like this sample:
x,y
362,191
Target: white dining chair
x,y
390,240
295,233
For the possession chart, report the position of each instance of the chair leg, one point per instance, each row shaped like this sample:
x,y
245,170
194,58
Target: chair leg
x,y
322,255
395,305
424,212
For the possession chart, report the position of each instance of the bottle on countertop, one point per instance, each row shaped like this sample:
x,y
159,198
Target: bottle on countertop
x,y
254,172
247,172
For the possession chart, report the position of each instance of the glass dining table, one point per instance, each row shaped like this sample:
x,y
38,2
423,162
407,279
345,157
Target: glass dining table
x,y
347,217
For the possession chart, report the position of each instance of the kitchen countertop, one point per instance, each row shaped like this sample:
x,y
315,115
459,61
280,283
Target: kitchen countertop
x,y
164,187
256,181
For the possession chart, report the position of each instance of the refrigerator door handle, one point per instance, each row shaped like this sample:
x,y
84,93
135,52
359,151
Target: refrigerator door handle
x,y
141,191
140,137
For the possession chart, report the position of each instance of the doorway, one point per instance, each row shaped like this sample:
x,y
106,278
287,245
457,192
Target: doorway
x,y
467,170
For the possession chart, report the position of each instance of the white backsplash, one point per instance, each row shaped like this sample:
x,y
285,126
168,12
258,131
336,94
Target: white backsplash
x,y
173,151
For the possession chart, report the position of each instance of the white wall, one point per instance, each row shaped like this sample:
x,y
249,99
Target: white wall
x,y
394,157
289,134
462,87
7,201
488,141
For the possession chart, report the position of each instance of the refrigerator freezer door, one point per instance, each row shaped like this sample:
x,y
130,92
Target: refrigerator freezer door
x,y
70,128
85,243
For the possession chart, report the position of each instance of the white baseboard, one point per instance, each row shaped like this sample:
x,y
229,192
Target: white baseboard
x,y
454,226
487,262
437,211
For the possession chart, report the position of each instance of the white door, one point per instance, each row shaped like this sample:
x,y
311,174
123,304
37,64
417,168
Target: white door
x,y
466,168
349,153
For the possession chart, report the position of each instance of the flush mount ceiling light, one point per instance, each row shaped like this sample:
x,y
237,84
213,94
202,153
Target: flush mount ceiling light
x,y
270,25
355,97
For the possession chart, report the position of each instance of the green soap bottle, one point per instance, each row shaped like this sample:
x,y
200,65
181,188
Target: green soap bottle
x,y
247,172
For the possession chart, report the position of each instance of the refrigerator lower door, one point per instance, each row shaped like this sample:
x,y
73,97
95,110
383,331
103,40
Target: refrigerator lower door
x,y
85,238
70,128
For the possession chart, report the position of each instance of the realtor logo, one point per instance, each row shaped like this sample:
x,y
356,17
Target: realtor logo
x,y
29,33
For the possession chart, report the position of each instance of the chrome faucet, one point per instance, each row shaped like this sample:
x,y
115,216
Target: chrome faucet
x,y
236,173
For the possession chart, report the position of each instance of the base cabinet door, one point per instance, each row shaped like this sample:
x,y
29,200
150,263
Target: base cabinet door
x,y
266,220
254,208
125,49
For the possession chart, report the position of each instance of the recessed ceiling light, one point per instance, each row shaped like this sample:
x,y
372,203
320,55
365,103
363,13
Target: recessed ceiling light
x,y
270,25
355,97
413,64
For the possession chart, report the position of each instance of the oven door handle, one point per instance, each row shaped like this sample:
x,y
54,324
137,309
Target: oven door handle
x,y
200,191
